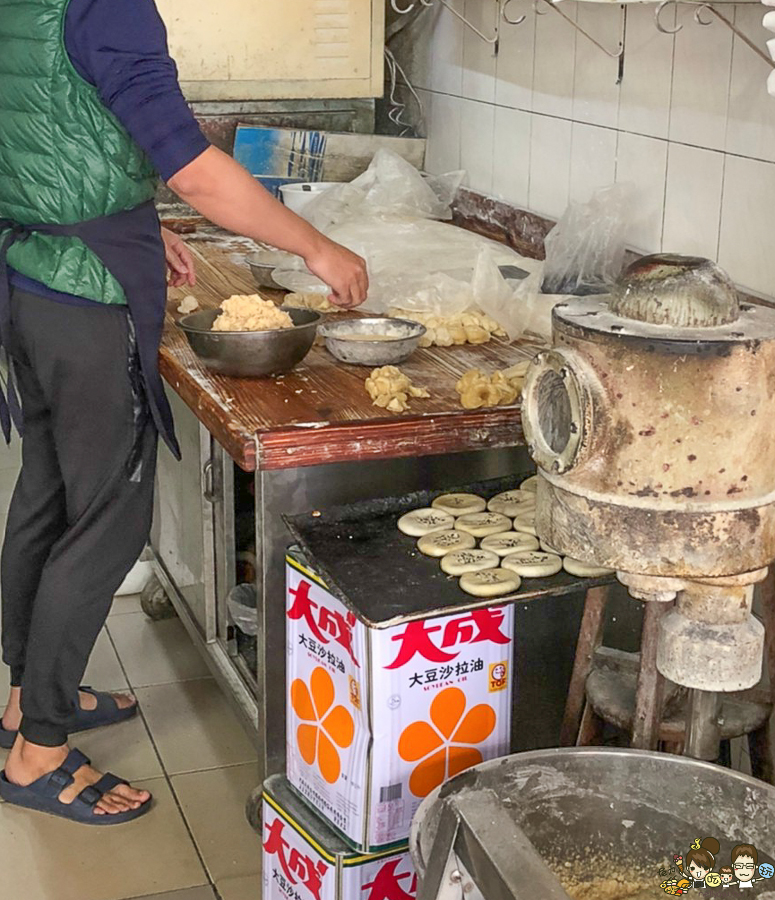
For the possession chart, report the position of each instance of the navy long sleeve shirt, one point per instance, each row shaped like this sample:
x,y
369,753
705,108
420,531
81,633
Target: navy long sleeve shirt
x,y
120,46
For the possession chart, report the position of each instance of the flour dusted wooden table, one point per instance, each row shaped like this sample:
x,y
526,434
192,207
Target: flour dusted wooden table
x,y
256,449
320,413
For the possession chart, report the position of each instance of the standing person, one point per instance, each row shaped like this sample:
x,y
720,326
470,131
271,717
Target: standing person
x,y
91,114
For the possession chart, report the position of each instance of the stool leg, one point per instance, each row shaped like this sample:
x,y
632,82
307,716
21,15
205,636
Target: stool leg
x,y
590,638
591,728
649,696
759,741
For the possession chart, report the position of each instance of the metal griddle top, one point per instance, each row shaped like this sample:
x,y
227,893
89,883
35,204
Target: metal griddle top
x,y
379,573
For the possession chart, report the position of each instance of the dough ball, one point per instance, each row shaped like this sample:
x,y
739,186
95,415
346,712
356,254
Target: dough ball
x,y
251,313
459,504
490,583
440,543
420,522
188,305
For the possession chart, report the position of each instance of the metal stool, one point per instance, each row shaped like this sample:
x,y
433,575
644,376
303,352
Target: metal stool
x,y
627,691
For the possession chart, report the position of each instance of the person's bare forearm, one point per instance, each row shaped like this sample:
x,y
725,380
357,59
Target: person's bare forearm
x,y
225,193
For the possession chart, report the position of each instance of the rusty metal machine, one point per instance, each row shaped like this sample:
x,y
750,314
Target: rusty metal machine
x,y
651,421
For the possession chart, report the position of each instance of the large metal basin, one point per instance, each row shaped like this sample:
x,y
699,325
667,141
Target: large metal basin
x,y
246,354
606,821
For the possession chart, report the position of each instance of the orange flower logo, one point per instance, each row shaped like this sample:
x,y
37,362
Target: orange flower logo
x,y
322,726
444,746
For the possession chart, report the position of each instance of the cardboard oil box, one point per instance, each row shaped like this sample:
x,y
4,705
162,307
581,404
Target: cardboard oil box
x,y
380,715
303,859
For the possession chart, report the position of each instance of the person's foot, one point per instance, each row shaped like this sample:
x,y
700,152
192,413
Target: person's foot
x,y
27,762
12,716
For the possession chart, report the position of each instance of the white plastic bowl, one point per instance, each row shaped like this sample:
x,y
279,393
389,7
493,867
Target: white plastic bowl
x,y
297,196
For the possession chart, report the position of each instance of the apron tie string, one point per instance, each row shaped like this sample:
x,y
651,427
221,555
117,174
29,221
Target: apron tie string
x,y
10,407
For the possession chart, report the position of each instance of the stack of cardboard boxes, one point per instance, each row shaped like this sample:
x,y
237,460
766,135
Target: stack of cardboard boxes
x,y
378,716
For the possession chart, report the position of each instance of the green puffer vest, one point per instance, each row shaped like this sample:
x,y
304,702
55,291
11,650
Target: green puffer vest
x,y
64,158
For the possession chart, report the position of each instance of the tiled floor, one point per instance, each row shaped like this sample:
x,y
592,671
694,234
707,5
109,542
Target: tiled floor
x,y
186,747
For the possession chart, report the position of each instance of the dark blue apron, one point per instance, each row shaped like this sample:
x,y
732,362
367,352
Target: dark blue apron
x,y
130,247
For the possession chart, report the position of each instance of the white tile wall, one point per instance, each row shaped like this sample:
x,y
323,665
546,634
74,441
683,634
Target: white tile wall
x,y
511,160
693,200
642,162
477,139
543,122
549,188
593,160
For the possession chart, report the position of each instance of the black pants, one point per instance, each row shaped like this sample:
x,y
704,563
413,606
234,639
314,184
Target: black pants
x,y
81,511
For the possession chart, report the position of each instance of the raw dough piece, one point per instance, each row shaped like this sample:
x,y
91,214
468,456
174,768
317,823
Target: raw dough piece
x,y
477,389
530,484
483,523
440,543
526,523
583,570
513,503
460,504
490,583
533,564
188,304
251,313
470,327
509,542
420,522
461,561
390,389
317,302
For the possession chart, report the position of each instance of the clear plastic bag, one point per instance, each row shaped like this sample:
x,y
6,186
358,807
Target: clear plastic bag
x,y
242,604
390,186
585,249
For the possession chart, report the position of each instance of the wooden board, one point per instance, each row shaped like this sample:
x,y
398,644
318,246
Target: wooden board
x,y
320,412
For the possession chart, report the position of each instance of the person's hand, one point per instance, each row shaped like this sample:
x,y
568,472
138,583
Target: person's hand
x,y
180,261
343,271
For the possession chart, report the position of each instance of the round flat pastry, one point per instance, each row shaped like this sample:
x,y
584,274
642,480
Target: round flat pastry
x,y
512,508
515,496
526,523
583,570
533,564
460,504
440,543
509,542
483,523
420,522
530,484
461,561
490,583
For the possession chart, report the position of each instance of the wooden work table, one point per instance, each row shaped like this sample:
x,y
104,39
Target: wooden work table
x,y
320,413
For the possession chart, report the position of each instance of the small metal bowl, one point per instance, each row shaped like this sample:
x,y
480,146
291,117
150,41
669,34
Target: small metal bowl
x,y
250,354
262,263
403,339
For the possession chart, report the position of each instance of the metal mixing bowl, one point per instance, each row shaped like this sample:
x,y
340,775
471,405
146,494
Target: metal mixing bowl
x,y
249,354
592,811
404,337
262,263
